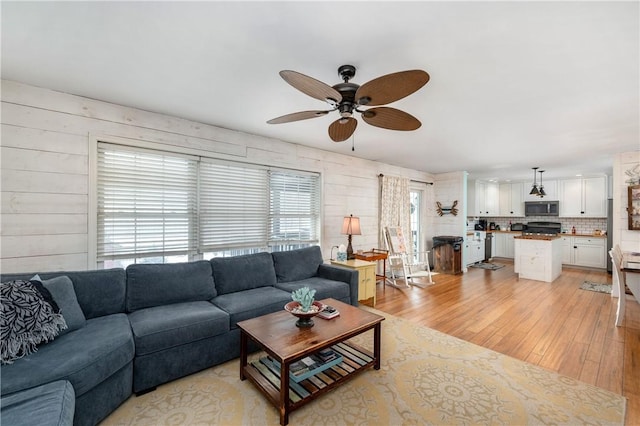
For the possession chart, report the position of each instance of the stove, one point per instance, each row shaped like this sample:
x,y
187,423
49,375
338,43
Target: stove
x,y
543,228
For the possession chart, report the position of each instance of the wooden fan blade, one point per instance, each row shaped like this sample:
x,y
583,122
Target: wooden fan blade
x,y
311,86
342,128
391,87
390,118
297,116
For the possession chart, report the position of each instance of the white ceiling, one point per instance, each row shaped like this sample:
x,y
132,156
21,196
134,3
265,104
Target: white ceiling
x,y
513,84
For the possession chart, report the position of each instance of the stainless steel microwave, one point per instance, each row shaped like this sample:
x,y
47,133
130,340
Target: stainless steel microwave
x,y
541,208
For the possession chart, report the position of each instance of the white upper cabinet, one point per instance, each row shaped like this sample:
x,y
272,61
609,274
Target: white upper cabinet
x,y
511,200
583,197
482,198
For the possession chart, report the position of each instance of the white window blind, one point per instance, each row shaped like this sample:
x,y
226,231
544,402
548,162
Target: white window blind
x,y
234,205
156,206
146,203
294,208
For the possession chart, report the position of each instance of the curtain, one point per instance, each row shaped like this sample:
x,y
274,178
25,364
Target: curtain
x,y
395,207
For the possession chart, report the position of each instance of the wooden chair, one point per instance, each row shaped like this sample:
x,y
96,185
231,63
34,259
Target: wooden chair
x,y
410,264
619,280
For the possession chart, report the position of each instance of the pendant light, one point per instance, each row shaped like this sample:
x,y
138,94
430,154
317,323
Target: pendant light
x,y
541,192
534,189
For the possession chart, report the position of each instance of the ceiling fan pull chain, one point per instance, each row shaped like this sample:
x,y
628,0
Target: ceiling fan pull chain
x,y
353,142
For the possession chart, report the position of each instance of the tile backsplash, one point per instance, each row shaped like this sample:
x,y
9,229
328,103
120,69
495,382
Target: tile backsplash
x,y
583,225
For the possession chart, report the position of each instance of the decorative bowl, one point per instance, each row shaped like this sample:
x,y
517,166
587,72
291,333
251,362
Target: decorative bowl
x,y
304,318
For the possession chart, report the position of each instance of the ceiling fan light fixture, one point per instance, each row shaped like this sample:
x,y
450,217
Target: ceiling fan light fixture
x,y
332,102
345,98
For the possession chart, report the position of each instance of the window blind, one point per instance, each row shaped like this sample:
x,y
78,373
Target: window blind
x,y
233,207
294,208
146,203
153,204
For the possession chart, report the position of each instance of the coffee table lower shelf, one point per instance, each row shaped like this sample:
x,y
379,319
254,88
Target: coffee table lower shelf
x,y
266,376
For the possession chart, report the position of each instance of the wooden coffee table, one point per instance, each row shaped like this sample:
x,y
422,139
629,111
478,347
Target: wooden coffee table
x,y
278,335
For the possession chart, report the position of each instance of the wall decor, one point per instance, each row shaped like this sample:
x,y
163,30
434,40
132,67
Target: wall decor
x,y
447,210
634,175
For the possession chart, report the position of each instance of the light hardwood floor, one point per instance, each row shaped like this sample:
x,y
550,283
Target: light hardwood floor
x,y
557,326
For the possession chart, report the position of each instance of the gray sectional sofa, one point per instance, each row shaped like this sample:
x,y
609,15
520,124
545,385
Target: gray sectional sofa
x,y
153,323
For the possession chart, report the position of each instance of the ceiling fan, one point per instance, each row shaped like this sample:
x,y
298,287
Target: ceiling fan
x,y
347,98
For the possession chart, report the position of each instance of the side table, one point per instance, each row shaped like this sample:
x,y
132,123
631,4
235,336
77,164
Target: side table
x,y
376,255
366,277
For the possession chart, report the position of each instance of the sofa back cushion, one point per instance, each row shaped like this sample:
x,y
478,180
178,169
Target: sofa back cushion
x,y
244,272
99,292
295,265
64,295
158,284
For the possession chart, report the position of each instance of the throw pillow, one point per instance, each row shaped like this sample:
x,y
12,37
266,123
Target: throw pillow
x,y
64,294
26,320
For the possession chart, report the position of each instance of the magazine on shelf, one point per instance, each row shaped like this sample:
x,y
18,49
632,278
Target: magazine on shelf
x,y
328,312
311,365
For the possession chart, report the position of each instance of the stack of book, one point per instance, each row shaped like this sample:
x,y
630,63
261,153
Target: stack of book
x,y
313,364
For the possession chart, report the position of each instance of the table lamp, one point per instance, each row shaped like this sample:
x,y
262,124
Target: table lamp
x,y
350,226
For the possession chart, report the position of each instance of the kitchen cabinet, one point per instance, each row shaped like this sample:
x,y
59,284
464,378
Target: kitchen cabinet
x,y
482,199
504,244
474,249
580,250
585,197
633,208
511,201
538,259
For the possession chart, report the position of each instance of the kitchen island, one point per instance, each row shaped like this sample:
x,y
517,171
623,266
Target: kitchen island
x,y
538,257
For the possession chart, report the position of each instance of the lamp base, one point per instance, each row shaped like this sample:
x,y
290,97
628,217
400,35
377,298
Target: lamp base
x,y
350,250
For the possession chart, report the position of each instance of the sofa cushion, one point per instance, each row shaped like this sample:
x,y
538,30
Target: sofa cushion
x,y
51,404
295,265
151,285
99,292
252,303
162,327
244,272
85,357
28,317
63,293
324,288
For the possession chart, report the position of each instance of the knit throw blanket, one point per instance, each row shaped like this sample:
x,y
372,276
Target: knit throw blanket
x,y
29,316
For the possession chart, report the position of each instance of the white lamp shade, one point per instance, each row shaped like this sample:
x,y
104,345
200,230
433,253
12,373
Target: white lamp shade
x,y
351,225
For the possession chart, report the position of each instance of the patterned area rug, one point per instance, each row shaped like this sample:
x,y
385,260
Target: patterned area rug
x,y
599,287
486,265
427,377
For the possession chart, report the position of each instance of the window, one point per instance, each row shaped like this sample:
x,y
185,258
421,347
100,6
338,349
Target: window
x,y
233,207
146,206
162,207
294,210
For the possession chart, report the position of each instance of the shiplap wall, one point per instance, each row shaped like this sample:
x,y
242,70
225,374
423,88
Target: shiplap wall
x,y
628,240
45,176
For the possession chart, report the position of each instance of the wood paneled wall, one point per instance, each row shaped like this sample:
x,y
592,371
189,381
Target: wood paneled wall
x,y
45,176
628,240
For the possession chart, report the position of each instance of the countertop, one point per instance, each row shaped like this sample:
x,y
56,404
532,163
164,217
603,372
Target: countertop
x,y
537,237
560,235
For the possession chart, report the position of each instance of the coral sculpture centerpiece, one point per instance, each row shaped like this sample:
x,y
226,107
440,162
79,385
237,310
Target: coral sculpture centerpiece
x,y
303,306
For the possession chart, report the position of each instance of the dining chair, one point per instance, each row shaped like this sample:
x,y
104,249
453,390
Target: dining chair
x,y
619,280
